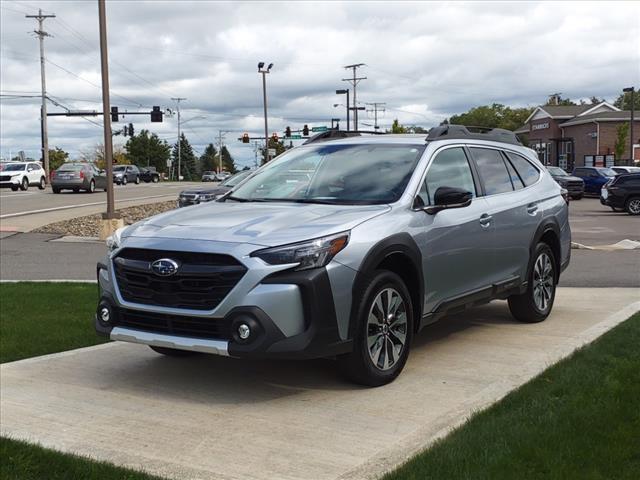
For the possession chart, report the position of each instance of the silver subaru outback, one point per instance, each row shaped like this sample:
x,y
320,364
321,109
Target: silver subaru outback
x,y
345,248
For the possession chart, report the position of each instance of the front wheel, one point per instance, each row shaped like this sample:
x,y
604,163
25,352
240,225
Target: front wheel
x,y
43,183
535,304
14,188
383,333
156,179
172,352
25,184
633,206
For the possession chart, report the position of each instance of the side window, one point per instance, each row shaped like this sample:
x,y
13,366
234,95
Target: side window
x,y
493,170
450,168
527,172
513,175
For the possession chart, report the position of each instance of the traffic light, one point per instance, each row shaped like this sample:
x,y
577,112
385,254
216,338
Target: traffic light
x,y
125,129
287,132
131,129
274,137
114,114
305,130
156,114
245,137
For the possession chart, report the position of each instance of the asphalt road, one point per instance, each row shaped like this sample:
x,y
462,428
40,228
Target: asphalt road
x,y
30,256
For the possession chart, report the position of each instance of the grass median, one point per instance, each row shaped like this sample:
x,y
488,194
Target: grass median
x,y
41,318
578,419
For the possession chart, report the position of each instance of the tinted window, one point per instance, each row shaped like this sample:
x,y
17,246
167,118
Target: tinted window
x,y
527,172
450,168
492,170
582,172
70,168
515,178
14,167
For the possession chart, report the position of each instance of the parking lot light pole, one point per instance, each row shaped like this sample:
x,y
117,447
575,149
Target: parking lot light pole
x,y
264,72
631,90
345,92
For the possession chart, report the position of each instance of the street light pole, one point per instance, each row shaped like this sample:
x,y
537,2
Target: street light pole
x,y
345,92
178,100
632,91
264,72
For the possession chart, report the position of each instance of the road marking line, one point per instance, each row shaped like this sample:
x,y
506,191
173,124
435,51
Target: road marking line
x,y
67,207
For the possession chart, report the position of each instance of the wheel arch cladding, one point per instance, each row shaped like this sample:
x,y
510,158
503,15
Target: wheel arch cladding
x,y
549,233
400,255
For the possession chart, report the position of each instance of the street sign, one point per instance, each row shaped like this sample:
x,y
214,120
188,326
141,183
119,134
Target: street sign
x,y
294,137
272,152
319,129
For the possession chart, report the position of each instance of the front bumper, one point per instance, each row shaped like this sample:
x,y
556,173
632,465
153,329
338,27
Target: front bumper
x,y
12,182
290,315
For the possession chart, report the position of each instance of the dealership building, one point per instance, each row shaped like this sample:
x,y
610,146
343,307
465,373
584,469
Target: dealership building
x,y
578,135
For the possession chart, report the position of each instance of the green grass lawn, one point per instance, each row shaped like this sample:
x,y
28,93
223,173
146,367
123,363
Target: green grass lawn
x,y
579,419
40,318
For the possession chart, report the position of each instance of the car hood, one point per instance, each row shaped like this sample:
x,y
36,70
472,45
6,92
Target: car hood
x,y
200,191
267,224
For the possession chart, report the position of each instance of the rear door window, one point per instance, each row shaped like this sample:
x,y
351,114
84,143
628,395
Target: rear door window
x,y
527,172
493,171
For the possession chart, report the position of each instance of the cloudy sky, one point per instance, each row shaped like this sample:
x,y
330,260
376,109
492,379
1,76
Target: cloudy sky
x,y
425,60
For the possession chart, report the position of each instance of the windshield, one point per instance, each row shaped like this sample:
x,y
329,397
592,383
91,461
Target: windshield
x,y
607,172
557,171
235,179
14,167
336,174
70,168
119,169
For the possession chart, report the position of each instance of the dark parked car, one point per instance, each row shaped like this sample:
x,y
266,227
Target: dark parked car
x,y
122,174
149,174
594,178
625,169
622,192
78,176
201,195
573,185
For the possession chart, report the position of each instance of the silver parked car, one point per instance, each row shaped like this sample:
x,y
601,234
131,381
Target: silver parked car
x,y
78,176
344,248
123,174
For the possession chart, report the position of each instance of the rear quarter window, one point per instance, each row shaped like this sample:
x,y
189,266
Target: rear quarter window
x,y
526,171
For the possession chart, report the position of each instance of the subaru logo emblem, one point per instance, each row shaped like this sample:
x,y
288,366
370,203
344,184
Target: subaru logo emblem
x,y
164,267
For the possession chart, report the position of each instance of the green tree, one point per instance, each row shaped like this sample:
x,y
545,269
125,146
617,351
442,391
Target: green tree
x,y
57,157
623,102
492,116
621,140
560,101
208,158
188,167
278,146
147,150
396,127
228,163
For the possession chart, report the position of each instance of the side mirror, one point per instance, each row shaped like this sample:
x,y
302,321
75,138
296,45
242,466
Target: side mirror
x,y
449,197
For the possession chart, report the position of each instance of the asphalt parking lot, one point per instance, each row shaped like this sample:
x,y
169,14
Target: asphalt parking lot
x,y
208,417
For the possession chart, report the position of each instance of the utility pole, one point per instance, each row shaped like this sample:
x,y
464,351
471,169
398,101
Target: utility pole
x,y
345,91
221,134
178,100
354,81
630,90
43,111
264,72
376,108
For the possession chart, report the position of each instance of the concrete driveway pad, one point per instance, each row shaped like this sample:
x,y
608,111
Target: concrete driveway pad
x,y
217,418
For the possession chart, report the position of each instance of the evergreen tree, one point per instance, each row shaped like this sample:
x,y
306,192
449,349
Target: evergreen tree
x,y
146,150
188,167
208,158
623,102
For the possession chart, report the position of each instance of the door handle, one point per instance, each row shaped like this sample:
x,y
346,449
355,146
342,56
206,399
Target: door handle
x,y
532,209
485,220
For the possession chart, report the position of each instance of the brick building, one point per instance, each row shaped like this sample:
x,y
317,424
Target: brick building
x,y
578,135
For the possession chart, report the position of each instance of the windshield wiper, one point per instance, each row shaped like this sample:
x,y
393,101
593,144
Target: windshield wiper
x,y
302,200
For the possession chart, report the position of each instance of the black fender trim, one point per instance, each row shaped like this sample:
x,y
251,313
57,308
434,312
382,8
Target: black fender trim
x,y
548,224
401,243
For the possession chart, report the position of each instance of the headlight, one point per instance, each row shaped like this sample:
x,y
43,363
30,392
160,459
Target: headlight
x,y
113,241
311,254
207,197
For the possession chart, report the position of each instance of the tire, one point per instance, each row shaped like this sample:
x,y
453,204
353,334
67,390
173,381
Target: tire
x,y
172,352
535,304
155,179
381,326
576,197
92,186
76,190
124,180
14,188
137,180
633,206
24,185
43,183
55,189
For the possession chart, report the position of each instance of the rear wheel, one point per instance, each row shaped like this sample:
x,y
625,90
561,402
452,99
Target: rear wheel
x,y
172,352
124,180
383,334
156,179
76,190
25,184
43,183
535,304
633,206
55,189
137,180
92,186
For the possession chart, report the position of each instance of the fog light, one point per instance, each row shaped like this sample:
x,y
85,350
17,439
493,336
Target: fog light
x,y
244,331
105,314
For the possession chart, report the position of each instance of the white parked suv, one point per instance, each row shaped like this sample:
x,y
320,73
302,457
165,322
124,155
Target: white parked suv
x,y
21,175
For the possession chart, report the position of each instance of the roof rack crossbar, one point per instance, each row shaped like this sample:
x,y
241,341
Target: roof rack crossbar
x,y
470,132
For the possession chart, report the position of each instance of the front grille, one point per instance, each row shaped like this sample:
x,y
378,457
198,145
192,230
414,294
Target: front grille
x,y
193,327
574,183
201,283
5,178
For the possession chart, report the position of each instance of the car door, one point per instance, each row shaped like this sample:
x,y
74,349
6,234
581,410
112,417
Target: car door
x,y
100,177
33,173
455,243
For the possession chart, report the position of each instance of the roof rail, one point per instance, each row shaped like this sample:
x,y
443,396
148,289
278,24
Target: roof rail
x,y
336,134
477,133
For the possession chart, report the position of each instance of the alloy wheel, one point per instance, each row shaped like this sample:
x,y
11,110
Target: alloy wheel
x,y
634,206
386,329
543,278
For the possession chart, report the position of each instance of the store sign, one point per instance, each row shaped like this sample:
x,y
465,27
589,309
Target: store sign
x,y
540,126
